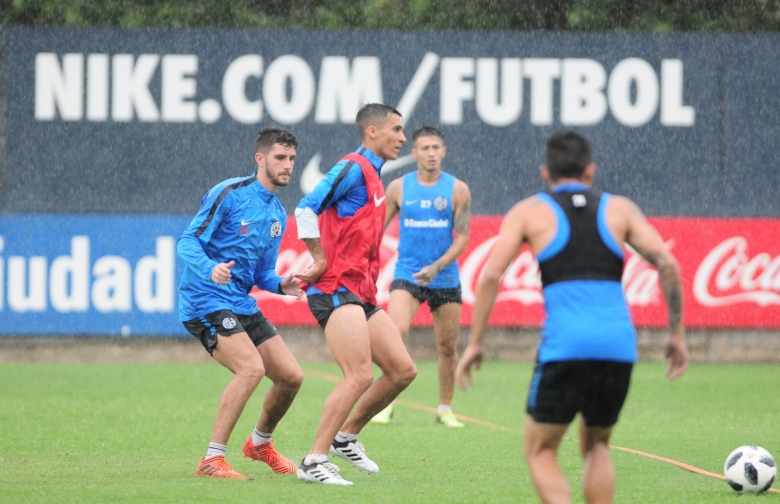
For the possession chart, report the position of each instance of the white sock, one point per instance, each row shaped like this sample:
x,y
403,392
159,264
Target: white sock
x,y
259,438
343,437
444,408
315,458
215,449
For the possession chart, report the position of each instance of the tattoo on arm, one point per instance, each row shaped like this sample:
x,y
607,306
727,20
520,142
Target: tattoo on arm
x,y
669,277
315,248
463,218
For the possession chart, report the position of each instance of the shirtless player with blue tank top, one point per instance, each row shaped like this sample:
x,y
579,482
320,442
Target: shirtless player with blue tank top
x,y
588,342
434,211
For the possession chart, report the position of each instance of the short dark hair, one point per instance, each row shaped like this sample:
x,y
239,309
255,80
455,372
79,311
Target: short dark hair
x,y
427,131
274,135
372,114
567,154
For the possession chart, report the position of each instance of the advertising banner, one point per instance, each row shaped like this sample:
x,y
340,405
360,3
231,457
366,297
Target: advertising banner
x,y
730,272
106,274
142,121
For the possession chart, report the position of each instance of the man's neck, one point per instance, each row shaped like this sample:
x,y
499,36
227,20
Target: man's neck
x,y
564,181
427,177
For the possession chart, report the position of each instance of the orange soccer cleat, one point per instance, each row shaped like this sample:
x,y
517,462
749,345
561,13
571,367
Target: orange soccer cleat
x,y
266,453
217,467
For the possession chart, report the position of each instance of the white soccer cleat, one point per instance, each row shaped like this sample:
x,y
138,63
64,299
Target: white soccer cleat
x,y
323,472
354,453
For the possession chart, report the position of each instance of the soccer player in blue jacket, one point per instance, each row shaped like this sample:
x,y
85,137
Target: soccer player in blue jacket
x,y
588,344
232,245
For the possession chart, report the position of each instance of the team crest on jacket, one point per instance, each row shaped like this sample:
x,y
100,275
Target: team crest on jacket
x,y
276,229
440,203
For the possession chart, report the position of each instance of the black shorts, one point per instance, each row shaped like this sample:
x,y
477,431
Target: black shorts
x,y
322,305
225,322
596,389
435,297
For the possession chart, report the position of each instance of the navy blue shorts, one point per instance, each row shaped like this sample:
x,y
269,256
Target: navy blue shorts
x,y
322,305
434,297
595,389
226,323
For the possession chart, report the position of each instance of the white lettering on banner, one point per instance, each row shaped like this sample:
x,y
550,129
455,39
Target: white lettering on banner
x,y
729,265
673,112
234,85
343,90
177,86
582,92
295,71
112,285
454,88
633,72
59,88
499,105
130,91
27,293
97,87
430,223
68,280
631,92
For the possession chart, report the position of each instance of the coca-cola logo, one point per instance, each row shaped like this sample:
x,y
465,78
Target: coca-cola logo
x,y
728,275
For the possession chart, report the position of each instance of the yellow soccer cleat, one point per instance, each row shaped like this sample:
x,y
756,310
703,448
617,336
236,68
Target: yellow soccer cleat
x,y
384,416
448,419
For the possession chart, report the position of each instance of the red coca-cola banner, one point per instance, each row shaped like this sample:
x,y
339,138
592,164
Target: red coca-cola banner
x,y
730,270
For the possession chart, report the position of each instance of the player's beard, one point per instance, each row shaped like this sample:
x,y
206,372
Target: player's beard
x,y
275,179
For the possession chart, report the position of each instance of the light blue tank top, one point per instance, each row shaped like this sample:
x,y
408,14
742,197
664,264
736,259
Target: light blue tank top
x,y
425,230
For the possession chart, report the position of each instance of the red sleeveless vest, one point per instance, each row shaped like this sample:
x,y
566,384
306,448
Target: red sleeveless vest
x,y
351,244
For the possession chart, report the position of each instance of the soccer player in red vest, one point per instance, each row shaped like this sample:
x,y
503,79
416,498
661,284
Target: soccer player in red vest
x,y
342,223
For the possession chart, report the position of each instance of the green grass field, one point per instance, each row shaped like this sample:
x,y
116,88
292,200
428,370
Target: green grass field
x,y
134,433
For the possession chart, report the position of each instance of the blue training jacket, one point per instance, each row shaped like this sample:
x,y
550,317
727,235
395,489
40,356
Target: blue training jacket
x,y
239,220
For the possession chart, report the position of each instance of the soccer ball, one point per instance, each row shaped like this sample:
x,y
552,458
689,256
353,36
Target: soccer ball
x,y
750,469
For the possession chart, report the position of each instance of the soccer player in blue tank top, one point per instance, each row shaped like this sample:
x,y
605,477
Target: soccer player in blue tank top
x,y
435,215
231,245
588,343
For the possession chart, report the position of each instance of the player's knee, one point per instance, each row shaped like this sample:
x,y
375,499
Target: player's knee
x,y
404,375
292,380
360,380
446,348
253,373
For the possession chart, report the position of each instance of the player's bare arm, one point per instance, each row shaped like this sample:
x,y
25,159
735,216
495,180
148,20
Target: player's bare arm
x,y
316,270
393,196
647,242
510,239
461,202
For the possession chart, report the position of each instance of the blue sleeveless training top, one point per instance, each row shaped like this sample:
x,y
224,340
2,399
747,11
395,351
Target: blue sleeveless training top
x,y
425,230
587,314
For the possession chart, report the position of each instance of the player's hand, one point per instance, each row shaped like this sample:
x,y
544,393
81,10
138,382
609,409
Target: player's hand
x,y
427,274
676,351
472,356
292,287
221,273
314,272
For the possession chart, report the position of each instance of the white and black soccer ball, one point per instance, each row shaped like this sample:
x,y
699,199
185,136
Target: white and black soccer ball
x,y
750,469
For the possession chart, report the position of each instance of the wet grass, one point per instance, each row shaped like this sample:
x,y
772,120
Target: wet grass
x,y
135,432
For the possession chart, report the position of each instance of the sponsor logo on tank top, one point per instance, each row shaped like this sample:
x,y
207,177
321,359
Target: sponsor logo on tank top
x,y
429,223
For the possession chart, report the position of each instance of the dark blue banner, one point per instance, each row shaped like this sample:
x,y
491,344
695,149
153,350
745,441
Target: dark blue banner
x,y
145,121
